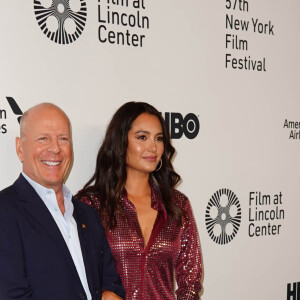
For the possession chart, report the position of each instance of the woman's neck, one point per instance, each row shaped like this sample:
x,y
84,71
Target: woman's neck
x,y
137,184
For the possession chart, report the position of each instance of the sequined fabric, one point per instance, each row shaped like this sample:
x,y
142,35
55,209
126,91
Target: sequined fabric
x,y
148,274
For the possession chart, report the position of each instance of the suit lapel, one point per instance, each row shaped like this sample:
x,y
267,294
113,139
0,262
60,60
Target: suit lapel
x,y
36,208
81,221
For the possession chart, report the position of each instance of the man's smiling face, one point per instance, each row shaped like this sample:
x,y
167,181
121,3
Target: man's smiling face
x,y
45,146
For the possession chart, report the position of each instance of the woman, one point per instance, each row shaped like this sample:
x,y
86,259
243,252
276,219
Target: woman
x,y
149,225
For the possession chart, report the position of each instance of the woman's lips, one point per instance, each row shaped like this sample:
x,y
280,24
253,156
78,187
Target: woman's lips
x,y
150,158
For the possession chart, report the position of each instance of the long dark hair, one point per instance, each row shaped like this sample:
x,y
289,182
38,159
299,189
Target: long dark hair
x,y
110,174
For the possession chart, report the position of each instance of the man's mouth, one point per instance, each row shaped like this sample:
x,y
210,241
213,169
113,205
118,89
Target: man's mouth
x,y
51,163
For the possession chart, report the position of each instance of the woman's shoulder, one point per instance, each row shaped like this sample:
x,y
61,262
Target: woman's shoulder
x,y
180,199
183,202
89,196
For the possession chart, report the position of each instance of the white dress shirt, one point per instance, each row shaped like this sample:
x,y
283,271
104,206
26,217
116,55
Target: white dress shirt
x,y
66,224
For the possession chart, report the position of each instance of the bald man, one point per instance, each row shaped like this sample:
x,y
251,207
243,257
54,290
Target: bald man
x,y
51,245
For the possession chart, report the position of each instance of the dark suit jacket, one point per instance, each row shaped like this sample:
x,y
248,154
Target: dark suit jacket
x,y
35,262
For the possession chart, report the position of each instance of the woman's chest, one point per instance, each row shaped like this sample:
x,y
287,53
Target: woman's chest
x,y
127,241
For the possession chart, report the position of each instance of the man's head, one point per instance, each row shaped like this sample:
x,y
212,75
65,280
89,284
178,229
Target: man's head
x,y
45,145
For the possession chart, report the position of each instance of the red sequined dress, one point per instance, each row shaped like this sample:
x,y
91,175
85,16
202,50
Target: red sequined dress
x,y
148,273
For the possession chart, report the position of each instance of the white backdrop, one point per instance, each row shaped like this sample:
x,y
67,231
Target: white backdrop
x,y
243,145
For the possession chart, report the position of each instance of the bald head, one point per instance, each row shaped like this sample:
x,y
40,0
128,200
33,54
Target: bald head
x,y
37,110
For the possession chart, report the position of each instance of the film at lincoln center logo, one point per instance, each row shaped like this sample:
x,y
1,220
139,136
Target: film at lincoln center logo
x,y
62,21
223,216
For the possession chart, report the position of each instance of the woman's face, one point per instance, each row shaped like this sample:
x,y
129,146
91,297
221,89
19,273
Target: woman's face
x,y
145,144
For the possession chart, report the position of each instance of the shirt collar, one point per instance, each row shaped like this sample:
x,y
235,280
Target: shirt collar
x,y
42,191
45,194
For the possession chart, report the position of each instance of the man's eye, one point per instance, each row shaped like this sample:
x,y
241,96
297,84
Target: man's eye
x,y
43,138
64,139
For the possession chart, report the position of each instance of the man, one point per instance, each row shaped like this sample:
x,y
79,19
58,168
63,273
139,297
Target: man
x,y
51,245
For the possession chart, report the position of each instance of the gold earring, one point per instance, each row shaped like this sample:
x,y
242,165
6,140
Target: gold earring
x,y
160,164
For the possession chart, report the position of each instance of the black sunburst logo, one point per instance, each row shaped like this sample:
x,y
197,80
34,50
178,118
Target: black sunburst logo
x,y
223,216
61,13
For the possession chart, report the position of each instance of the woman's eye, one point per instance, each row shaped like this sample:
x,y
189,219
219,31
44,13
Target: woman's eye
x,y
160,138
142,137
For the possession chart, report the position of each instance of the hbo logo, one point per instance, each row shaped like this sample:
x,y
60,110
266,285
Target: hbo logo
x,y
179,125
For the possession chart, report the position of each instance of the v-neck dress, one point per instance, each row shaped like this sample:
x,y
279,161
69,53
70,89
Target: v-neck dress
x,y
148,273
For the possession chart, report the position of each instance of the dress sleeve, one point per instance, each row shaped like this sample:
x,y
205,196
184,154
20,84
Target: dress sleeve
x,y
189,265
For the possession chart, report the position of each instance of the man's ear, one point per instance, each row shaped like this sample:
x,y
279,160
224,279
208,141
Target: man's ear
x,y
20,148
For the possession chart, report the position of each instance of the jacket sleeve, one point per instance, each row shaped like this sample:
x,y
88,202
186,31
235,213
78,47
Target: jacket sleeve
x,y
111,279
189,266
14,283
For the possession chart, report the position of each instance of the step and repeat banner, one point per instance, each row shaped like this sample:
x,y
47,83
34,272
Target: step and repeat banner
x,y
225,76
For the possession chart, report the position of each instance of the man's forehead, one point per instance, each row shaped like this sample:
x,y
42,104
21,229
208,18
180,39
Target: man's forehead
x,y
46,123
38,116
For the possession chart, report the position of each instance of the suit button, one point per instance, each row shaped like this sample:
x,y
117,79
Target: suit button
x,y
81,296
97,292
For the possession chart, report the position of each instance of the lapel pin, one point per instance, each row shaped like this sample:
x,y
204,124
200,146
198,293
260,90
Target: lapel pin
x,y
83,226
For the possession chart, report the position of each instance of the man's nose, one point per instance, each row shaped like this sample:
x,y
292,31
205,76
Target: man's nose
x,y
54,146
